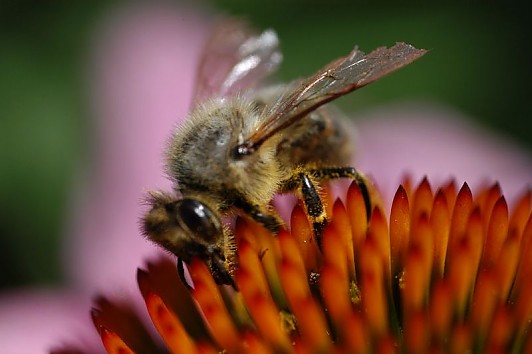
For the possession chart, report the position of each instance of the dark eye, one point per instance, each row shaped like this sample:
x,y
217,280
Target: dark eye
x,y
199,220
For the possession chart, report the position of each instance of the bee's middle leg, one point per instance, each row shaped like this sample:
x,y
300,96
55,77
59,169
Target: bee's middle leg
x,y
327,173
303,182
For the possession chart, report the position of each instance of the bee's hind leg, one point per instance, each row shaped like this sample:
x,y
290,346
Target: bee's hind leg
x,y
304,182
327,173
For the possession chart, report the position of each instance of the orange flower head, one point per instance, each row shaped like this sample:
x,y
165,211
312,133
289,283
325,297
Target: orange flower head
x,y
449,272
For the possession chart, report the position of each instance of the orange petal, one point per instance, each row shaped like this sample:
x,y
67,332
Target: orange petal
x,y
506,266
294,282
205,348
291,251
113,343
422,201
496,232
161,278
475,238
387,345
441,310
334,252
169,326
483,302
486,200
502,328
521,213
418,265
524,270
355,334
523,307
440,221
251,343
406,183
342,226
450,194
461,339
416,333
372,287
310,319
528,343
335,291
460,273
302,232
379,233
118,320
399,228
250,263
209,299
356,210
312,324
460,215
263,310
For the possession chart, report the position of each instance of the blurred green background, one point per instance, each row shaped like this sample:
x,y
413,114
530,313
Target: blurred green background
x,y
480,63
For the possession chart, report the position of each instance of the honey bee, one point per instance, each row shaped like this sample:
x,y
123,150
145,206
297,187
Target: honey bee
x,y
242,143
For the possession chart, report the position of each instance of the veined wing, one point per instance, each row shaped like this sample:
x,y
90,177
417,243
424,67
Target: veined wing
x,y
234,59
332,81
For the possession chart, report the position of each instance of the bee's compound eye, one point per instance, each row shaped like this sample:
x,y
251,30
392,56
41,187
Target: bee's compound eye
x,y
198,219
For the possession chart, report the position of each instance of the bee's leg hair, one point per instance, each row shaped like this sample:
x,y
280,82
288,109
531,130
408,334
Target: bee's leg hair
x,y
327,173
269,221
219,272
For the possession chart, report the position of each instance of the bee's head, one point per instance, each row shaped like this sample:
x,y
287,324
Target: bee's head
x,y
186,227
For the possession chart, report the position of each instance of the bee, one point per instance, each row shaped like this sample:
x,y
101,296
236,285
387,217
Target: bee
x,y
243,142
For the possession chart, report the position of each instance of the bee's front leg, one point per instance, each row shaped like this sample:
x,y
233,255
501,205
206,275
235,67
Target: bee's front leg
x,y
217,268
181,272
270,221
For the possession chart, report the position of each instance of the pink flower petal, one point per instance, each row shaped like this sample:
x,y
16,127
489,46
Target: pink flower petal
x,y
141,83
37,322
424,139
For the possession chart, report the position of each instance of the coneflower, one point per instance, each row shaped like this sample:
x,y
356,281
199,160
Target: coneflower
x,y
450,272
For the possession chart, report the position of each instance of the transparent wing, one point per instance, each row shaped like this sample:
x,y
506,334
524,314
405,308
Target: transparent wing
x,y
234,59
334,80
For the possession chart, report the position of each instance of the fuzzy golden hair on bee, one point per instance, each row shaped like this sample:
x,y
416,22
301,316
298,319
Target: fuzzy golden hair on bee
x,y
157,223
200,153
